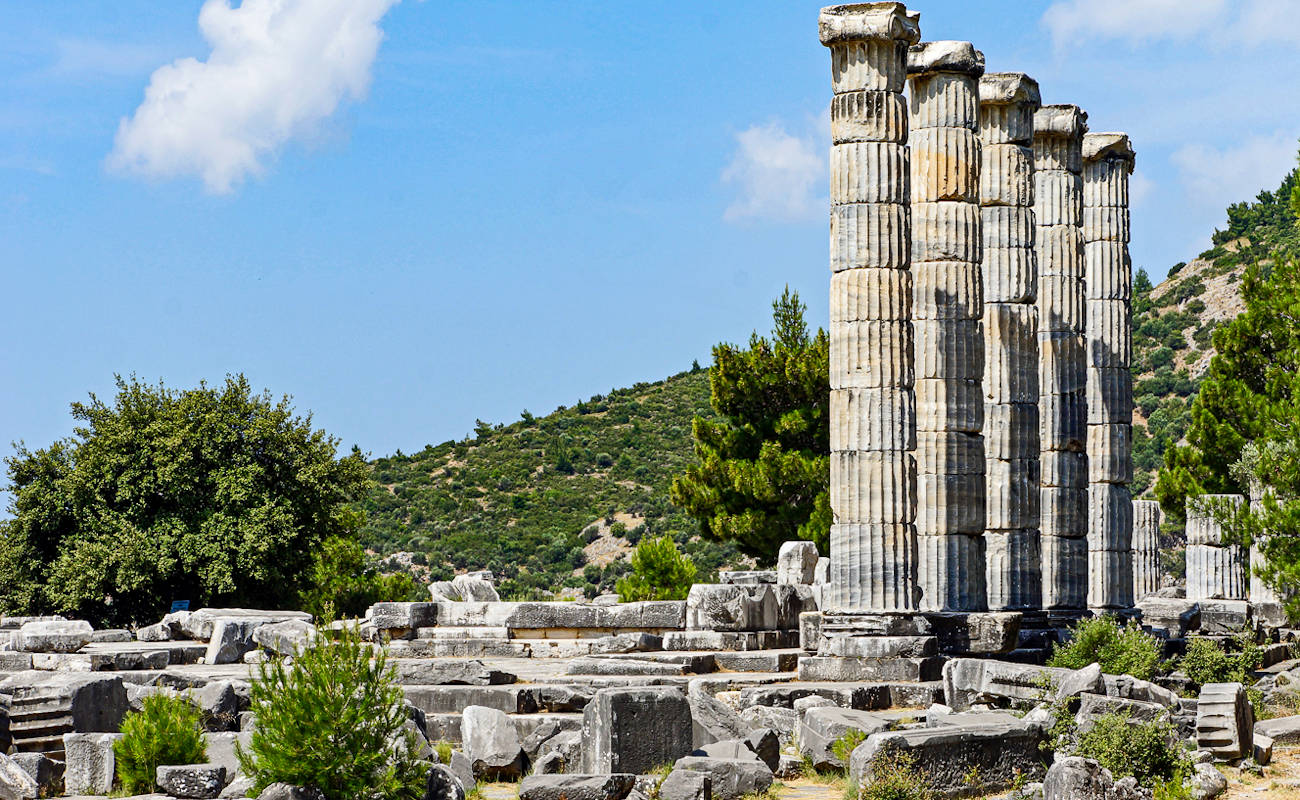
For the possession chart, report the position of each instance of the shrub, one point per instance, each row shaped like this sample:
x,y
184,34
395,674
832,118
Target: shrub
x,y
1120,649
344,584
1149,751
659,572
1206,662
330,722
167,730
895,776
843,747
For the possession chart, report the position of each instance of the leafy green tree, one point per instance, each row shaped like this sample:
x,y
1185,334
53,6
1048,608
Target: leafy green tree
x,y
166,730
659,572
334,721
217,495
1250,392
343,582
764,470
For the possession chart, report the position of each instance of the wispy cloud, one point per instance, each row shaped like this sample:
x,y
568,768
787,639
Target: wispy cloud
x,y
39,166
93,58
277,69
1214,178
776,175
1240,22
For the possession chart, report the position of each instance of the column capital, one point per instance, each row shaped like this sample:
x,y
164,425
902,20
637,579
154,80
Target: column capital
x,y
960,58
1009,88
854,22
1109,147
1060,120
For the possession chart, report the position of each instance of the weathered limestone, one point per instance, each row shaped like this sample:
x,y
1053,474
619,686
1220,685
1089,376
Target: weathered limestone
x,y
1147,518
1058,213
1215,570
796,563
1225,721
1107,163
635,730
1013,553
947,308
873,470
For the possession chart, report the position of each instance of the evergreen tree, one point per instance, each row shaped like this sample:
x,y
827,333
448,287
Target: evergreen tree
x,y
764,468
1248,394
659,572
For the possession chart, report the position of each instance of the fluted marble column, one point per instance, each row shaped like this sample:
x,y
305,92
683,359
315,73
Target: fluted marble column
x,y
1214,569
1008,101
1058,211
943,79
1107,164
1260,592
1147,517
873,403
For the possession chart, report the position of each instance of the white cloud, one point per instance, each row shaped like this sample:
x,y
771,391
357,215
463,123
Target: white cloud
x,y
277,69
1239,23
776,175
1215,178
1128,19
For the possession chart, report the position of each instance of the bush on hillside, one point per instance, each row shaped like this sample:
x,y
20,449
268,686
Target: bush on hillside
x,y
1119,649
166,730
659,572
334,721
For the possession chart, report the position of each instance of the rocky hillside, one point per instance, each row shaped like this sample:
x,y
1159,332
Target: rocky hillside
x,y
555,500
1174,322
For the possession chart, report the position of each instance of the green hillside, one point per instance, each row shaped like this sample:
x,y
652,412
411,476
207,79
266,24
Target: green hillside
x,y
549,501
1173,323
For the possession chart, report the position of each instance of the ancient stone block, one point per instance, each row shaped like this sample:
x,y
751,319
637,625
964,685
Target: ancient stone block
x,y
1216,572
795,563
1058,198
1067,469
869,419
89,765
950,404
1010,274
1011,431
1014,568
951,571
1110,517
870,235
1007,179
1108,224
871,354
950,504
874,487
1011,362
635,729
871,64
820,728
729,779
1110,392
1003,753
859,295
1108,271
1013,495
192,780
1064,511
1147,517
878,569
869,172
945,165
1203,513
868,116
946,231
946,290
948,453
1062,363
53,636
1224,721
1110,453
1065,571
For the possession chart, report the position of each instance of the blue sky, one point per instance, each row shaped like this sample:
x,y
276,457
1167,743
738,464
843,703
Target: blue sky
x,y
459,210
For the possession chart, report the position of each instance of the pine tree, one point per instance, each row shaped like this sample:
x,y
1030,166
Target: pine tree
x,y
764,467
1248,392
